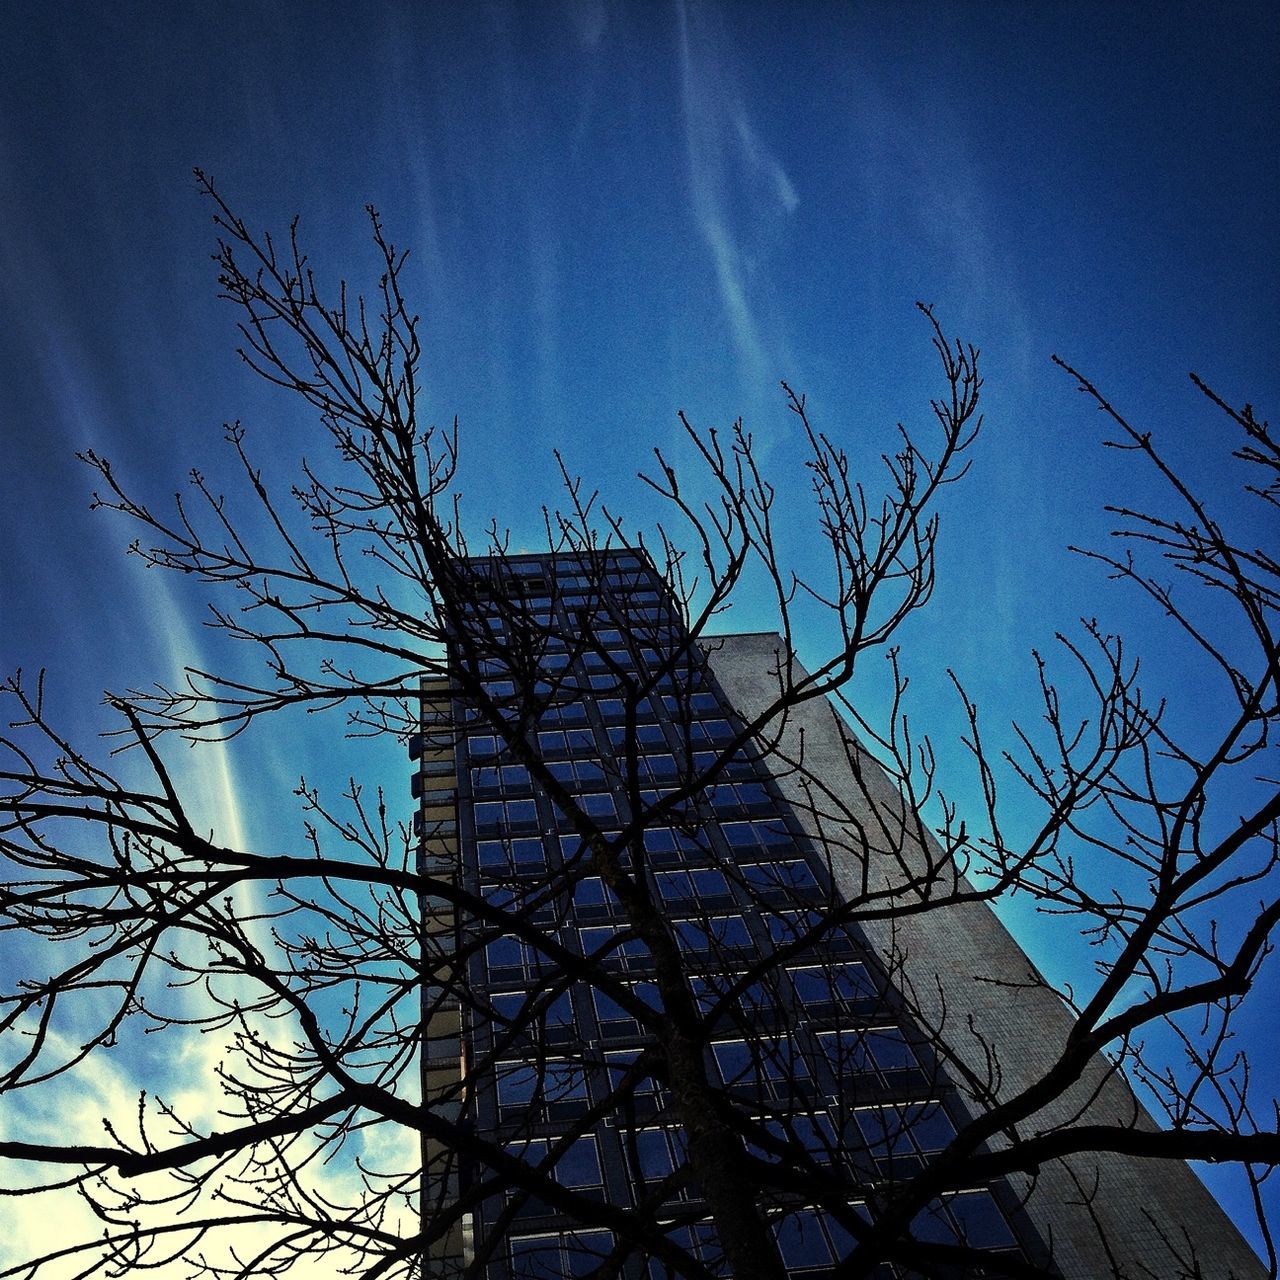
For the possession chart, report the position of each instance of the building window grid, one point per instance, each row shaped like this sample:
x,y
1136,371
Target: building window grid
x,y
775,1075
767,839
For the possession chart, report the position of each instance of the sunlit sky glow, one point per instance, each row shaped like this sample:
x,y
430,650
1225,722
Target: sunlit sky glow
x,y
615,212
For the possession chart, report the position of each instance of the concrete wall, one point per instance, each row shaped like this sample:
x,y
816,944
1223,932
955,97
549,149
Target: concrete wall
x,y
1146,1218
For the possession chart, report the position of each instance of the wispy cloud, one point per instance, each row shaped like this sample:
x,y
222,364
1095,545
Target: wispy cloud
x,y
764,161
739,191
205,775
590,20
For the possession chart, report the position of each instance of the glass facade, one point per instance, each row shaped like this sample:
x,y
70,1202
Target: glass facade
x,y
805,1032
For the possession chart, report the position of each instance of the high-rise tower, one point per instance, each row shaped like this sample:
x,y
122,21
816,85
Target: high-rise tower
x,y
818,1041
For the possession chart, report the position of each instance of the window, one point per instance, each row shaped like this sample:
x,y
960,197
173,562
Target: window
x,y
802,1242
523,857
699,886
980,1220
721,934
564,1254
881,1051
577,774
829,991
616,1022
681,812
809,1239
654,1154
646,1095
666,846
901,1137
614,711
813,1132
501,780
647,735
486,781
700,1241
733,1059
496,817
558,1089
577,1167
560,744
770,1067
971,1217
574,851
716,731
700,705
780,880
747,799
482,747
628,951
591,899
756,837
756,1003
568,715
597,805
533,1017
661,767
737,767
510,960
791,926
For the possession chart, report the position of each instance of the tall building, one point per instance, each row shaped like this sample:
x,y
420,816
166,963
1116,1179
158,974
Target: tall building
x,y
831,1047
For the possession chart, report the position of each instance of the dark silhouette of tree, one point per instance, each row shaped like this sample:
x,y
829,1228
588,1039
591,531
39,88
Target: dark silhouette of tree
x,y
340,973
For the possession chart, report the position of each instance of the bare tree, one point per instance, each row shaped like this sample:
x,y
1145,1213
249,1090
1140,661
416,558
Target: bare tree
x,y
758,1087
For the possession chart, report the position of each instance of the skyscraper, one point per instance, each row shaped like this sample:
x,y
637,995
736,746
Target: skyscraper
x,y
820,1036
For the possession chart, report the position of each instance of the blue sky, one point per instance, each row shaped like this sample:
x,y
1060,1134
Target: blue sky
x,y
619,211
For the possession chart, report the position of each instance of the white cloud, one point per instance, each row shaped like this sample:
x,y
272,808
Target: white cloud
x,y
739,190
205,775
765,162
73,1108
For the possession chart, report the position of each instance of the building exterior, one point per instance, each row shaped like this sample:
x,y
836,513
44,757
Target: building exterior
x,y
824,1048
1101,1213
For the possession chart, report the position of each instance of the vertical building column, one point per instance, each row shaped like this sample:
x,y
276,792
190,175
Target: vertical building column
x,y
442,1064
